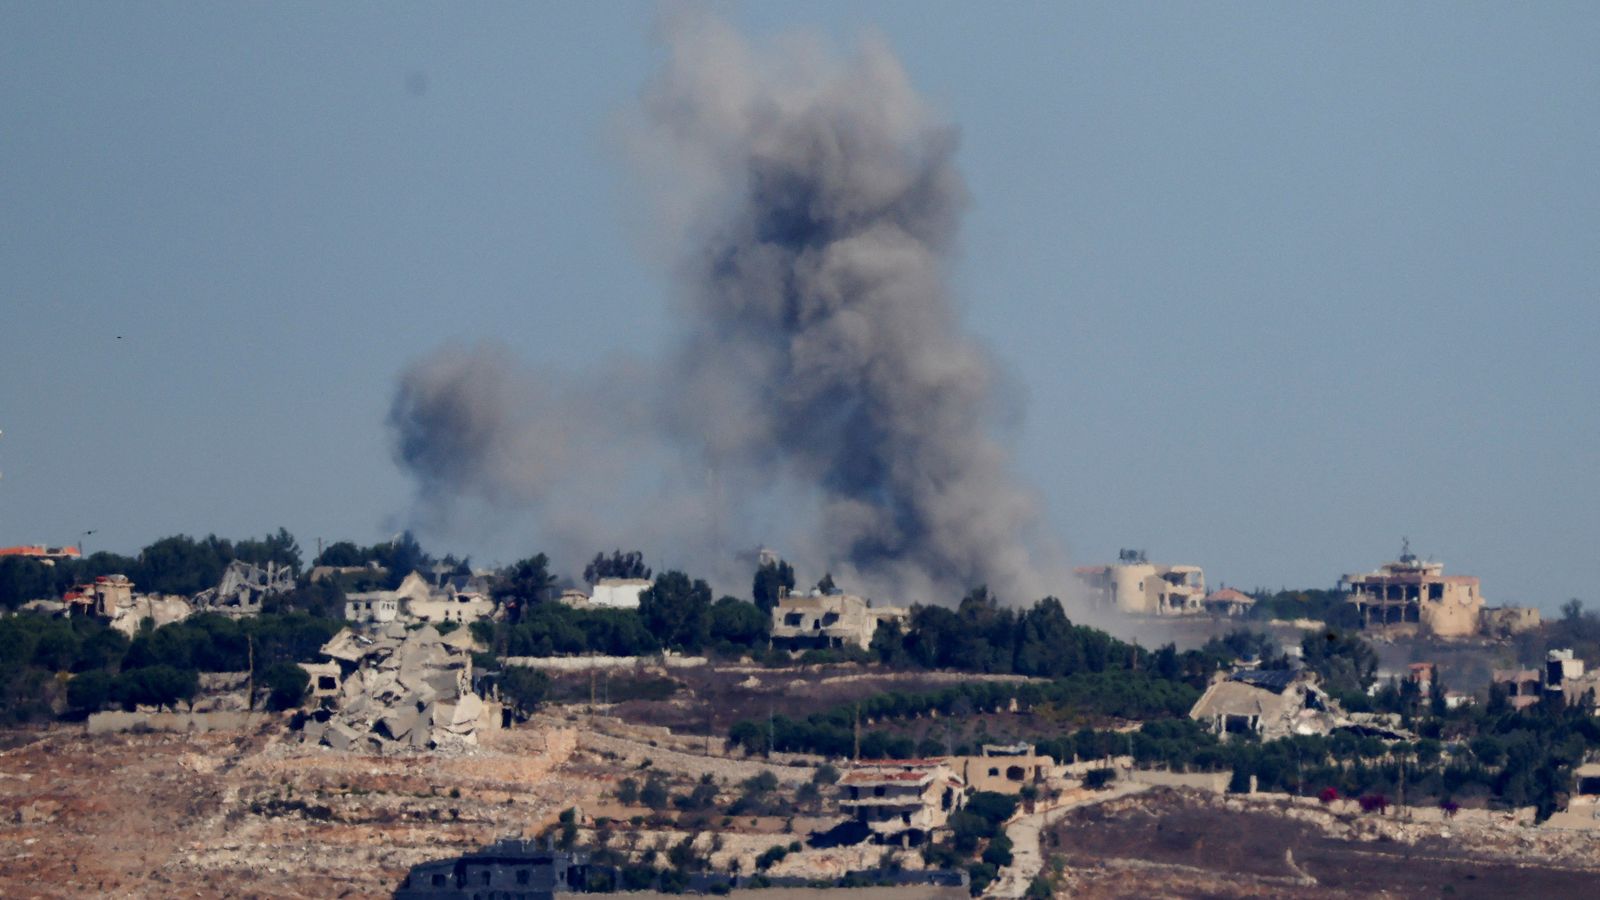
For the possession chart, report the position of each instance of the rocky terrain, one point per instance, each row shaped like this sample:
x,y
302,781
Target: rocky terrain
x,y
255,815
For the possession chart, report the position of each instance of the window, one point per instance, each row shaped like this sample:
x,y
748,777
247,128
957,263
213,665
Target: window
x,y
879,791
793,619
438,879
485,876
522,876
994,773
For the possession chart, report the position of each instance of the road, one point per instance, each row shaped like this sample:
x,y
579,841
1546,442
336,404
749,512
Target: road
x,y
1027,856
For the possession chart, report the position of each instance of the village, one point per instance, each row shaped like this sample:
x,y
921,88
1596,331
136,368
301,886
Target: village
x,y
801,737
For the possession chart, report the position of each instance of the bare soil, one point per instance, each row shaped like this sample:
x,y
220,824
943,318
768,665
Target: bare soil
x,y
1173,844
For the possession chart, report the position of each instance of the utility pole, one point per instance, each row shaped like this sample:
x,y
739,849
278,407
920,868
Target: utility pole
x,y
857,755
250,679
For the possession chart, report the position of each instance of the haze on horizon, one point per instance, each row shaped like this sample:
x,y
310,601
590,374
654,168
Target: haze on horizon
x,y
1275,287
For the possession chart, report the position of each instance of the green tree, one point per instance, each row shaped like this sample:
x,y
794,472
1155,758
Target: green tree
x,y
525,584
523,688
677,610
617,565
286,685
771,581
1345,662
737,622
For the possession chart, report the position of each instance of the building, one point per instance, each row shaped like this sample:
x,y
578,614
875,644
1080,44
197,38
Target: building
x,y
1523,687
46,555
1228,602
1003,768
1270,703
1564,675
902,800
1135,585
829,620
1411,594
618,593
243,587
1505,621
507,868
101,597
459,599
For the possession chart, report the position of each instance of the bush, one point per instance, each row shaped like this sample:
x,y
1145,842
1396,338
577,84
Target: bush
x,y
1097,779
286,684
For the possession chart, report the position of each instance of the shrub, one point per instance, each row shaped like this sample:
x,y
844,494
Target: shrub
x,y
1328,794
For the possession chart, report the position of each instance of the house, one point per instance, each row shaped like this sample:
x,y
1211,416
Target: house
x,y
901,800
1135,585
507,868
1003,768
1270,703
1228,602
829,620
1411,595
1505,621
618,593
1523,687
462,599
1564,675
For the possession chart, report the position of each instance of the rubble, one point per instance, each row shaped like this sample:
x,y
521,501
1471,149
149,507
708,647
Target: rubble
x,y
396,689
243,587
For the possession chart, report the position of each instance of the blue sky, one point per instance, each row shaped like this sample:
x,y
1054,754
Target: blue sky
x,y
1279,284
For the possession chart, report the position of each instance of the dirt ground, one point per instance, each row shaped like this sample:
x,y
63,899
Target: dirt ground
x,y
249,815
1180,844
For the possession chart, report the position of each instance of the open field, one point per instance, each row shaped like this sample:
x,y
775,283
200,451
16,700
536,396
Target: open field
x,y
1181,844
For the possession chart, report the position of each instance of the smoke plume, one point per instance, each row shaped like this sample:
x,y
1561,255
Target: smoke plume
x,y
822,392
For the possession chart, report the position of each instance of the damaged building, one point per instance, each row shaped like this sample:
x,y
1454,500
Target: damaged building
x,y
1412,594
1003,768
243,587
397,689
1137,586
804,621
1269,703
902,801
462,599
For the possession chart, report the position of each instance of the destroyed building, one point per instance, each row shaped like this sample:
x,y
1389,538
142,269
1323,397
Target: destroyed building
x,y
902,800
1412,595
1269,703
113,598
1505,621
818,620
460,599
243,587
1135,585
395,689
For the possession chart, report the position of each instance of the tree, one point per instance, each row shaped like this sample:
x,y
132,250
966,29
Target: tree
x,y
342,554
677,610
737,622
525,584
771,581
286,685
1345,662
617,565
524,688
280,549
155,686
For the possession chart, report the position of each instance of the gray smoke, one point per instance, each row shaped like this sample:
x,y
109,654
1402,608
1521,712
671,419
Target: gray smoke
x,y
822,362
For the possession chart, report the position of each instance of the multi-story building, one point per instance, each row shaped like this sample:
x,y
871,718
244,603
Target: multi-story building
x,y
829,620
902,800
1135,585
1412,594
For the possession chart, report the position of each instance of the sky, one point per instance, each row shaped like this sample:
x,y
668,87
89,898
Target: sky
x,y
1277,285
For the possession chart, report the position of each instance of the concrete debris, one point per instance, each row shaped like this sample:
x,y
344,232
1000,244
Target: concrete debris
x,y
397,689
243,587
